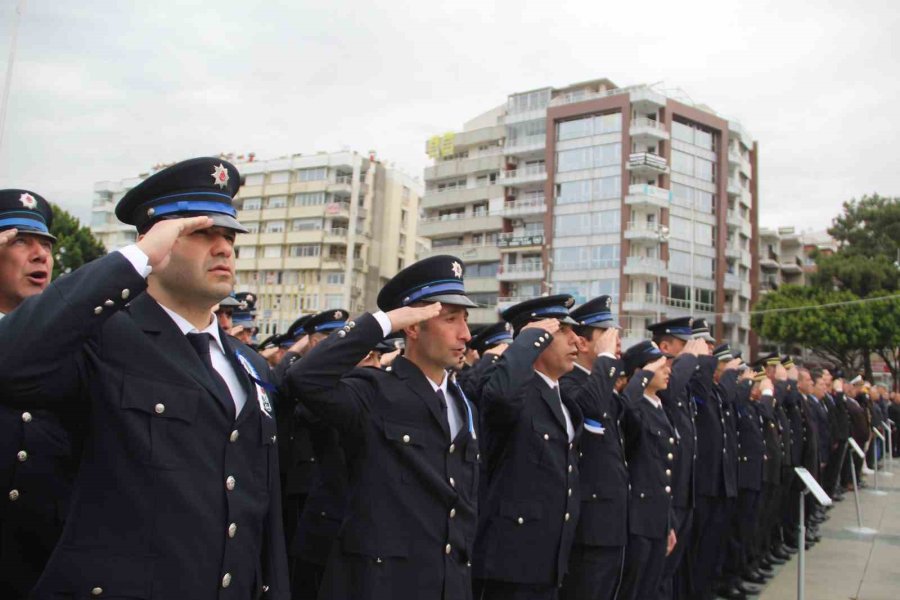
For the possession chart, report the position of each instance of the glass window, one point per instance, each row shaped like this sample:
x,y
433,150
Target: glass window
x,y
703,266
306,224
98,218
573,160
255,179
272,251
607,221
703,169
445,242
703,139
252,226
252,203
334,278
246,251
316,174
679,262
568,130
607,155
609,123
703,234
280,177
290,277
309,199
482,269
605,256
274,226
682,163
304,250
276,202
682,132
679,228
333,301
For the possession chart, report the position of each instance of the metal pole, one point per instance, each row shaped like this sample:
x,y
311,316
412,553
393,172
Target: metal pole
x,y
693,292
20,8
801,547
855,490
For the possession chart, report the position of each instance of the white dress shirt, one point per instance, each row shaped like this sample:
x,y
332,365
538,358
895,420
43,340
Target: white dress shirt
x,y
454,419
554,385
220,362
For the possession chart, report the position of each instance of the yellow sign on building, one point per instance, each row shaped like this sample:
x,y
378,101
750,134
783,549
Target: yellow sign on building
x,y
440,146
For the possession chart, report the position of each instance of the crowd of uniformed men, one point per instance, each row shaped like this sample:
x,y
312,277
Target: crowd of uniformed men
x,y
146,453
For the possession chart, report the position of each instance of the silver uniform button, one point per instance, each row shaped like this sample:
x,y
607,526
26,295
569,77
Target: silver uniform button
x,y
670,456
546,436
232,530
405,439
160,408
570,468
668,490
234,436
448,549
671,440
14,495
125,294
109,304
96,591
22,456
520,520
567,516
668,472
226,580
537,344
452,482
98,310
229,483
26,417
341,333
452,448
452,512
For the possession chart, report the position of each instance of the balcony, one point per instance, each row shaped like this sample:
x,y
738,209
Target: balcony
x,y
683,306
732,282
533,205
792,267
513,240
458,224
733,219
459,196
525,145
524,175
643,265
643,303
573,97
644,98
647,163
342,185
468,253
465,166
734,157
732,251
648,129
734,187
769,261
641,231
649,196
337,234
333,209
521,272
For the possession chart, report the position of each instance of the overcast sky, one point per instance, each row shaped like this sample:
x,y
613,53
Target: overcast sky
x,y
105,89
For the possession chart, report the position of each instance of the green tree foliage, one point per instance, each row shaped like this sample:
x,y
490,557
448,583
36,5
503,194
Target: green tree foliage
x,y
868,236
75,244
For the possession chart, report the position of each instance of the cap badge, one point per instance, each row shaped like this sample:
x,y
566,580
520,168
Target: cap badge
x,y
337,315
28,201
570,302
220,176
457,269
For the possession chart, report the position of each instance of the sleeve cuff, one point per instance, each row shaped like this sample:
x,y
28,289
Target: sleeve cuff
x,y
137,258
384,321
767,393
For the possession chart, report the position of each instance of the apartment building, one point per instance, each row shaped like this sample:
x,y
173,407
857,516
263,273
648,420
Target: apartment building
x,y
786,256
327,230
594,189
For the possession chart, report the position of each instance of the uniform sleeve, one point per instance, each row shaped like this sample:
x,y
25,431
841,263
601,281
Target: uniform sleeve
x,y
597,391
42,355
502,397
632,395
683,369
701,381
318,380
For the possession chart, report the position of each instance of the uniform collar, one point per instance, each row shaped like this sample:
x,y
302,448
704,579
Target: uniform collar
x,y
547,380
185,326
442,387
577,366
656,402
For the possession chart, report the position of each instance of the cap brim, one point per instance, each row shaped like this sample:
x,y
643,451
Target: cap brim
x,y
36,232
227,221
682,336
707,338
568,320
606,325
454,299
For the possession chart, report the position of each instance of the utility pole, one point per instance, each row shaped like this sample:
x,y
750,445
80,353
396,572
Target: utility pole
x,y
4,100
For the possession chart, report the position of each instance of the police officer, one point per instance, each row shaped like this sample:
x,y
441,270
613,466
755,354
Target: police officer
x,y
595,565
528,524
243,318
676,337
36,448
178,493
489,344
409,439
225,310
650,446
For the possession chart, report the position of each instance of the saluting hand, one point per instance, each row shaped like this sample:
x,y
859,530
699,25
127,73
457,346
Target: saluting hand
x,y
693,347
781,373
7,236
300,345
406,316
838,385
766,385
158,242
734,363
607,342
551,326
657,364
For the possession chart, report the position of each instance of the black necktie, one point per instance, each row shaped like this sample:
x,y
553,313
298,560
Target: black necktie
x,y
445,421
200,342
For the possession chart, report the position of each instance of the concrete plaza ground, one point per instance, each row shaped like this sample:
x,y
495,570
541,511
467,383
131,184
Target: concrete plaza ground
x,y
845,565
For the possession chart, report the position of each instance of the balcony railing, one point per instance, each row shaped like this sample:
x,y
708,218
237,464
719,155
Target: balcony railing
x,y
526,206
647,161
524,174
586,265
344,179
512,240
525,144
521,271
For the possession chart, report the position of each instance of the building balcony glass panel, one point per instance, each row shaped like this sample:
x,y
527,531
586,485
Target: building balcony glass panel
x,y
651,196
521,271
641,231
647,163
525,145
524,175
648,129
531,205
643,303
643,265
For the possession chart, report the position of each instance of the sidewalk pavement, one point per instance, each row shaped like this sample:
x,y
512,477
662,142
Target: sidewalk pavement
x,y
846,565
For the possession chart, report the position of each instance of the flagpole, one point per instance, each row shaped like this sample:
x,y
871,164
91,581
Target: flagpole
x,y
20,8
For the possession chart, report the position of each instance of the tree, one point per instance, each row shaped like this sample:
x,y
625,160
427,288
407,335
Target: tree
x,y
846,334
75,243
868,236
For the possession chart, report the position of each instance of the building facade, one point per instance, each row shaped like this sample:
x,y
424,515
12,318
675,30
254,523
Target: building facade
x,y
326,231
593,189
